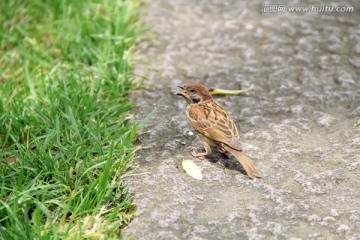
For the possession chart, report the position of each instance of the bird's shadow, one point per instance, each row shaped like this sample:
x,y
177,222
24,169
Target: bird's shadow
x,y
229,163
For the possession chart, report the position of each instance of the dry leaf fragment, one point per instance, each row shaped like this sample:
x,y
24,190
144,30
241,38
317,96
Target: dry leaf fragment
x,y
192,169
230,92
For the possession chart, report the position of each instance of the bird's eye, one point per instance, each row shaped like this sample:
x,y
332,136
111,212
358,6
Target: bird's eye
x,y
192,90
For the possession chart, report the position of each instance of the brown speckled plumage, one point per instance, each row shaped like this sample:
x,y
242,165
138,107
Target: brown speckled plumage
x,y
214,125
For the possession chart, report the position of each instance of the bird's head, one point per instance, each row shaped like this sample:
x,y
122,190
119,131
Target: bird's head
x,y
194,93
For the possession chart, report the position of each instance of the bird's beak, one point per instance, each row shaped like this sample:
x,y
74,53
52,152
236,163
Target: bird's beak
x,y
184,94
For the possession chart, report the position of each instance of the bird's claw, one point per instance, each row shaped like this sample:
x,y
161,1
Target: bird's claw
x,y
197,155
224,152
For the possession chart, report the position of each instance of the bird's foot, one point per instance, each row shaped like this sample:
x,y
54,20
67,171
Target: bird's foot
x,y
201,156
224,152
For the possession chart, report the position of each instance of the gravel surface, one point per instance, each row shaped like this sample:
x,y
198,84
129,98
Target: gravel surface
x,y
300,124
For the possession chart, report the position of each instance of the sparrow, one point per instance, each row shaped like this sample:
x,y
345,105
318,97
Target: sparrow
x,y
214,126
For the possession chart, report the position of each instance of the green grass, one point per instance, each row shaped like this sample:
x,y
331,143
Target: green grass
x,y
66,137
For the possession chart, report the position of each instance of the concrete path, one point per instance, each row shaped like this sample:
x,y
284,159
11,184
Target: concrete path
x,y
300,125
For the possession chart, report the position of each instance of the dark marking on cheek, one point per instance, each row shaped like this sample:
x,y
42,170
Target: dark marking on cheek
x,y
195,100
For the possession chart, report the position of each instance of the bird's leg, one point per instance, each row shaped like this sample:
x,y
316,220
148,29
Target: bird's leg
x,y
224,152
203,154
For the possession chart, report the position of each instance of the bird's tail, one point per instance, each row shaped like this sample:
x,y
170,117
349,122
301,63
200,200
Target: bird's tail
x,y
245,161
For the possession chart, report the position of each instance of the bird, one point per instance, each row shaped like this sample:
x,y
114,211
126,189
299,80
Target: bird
x,y
214,126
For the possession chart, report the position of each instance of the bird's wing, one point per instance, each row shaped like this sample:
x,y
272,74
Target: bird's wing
x,y
211,120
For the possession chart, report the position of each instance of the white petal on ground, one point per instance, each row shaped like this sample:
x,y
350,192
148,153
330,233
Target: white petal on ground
x,y
192,169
